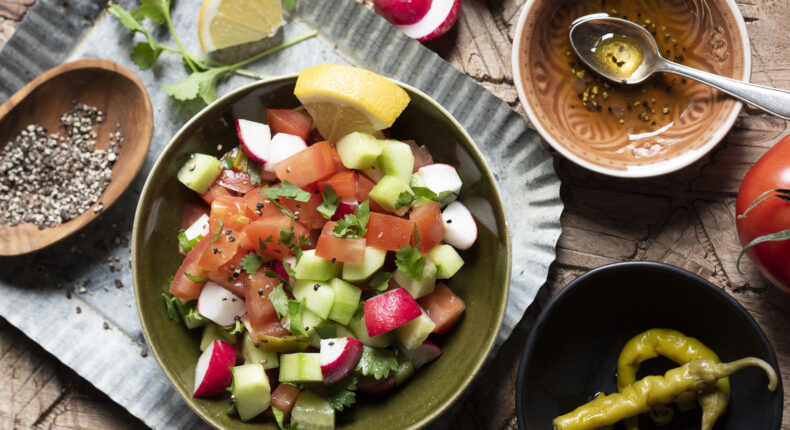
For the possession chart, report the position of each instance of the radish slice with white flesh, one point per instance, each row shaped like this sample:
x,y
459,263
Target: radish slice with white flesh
x,y
424,353
338,358
198,228
283,146
460,229
220,305
212,373
255,138
440,177
439,20
402,11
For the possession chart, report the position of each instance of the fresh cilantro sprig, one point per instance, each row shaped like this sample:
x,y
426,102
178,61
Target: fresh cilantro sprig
x,y
341,395
205,73
445,197
354,226
195,278
251,263
279,415
218,232
174,307
406,198
295,313
410,262
236,328
377,362
279,300
292,242
330,202
185,245
286,190
380,281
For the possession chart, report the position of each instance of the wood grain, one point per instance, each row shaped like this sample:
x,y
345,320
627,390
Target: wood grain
x,y
685,219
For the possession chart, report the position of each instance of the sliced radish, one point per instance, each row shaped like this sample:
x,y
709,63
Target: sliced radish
x,y
339,356
198,228
424,353
343,209
389,311
440,177
220,305
283,146
279,267
212,373
255,138
460,229
402,11
440,17
371,385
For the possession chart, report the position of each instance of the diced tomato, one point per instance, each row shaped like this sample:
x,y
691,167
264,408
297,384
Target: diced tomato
x,y
422,157
388,232
341,249
344,184
263,235
306,212
308,165
220,251
257,205
339,166
364,185
262,318
230,275
183,287
289,122
235,180
232,211
284,397
191,213
443,307
215,190
430,228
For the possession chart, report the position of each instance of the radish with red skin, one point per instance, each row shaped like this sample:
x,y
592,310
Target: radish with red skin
x,y
439,19
212,373
424,353
339,356
389,311
440,177
220,305
279,268
460,229
343,209
255,138
282,146
371,385
401,12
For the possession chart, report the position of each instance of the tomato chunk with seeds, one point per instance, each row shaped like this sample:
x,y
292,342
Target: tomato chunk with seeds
x,y
259,206
262,318
388,232
183,287
443,307
344,184
229,275
341,249
307,166
221,250
289,121
428,219
215,191
235,180
263,235
306,212
232,211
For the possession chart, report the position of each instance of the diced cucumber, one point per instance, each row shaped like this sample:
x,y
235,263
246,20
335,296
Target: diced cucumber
x,y
313,267
397,159
447,261
346,301
253,354
413,333
416,181
317,295
312,413
404,371
387,191
361,332
251,390
374,172
374,260
358,150
418,288
199,172
188,312
212,332
300,367
343,331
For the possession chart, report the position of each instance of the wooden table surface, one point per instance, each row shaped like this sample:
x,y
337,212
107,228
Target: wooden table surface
x,y
685,219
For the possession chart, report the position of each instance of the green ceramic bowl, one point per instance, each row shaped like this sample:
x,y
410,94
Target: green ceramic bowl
x,y
482,283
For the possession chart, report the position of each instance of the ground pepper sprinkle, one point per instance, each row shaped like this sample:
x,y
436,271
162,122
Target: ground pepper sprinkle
x,y
50,179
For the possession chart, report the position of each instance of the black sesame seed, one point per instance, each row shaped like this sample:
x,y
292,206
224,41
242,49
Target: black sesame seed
x,y
316,287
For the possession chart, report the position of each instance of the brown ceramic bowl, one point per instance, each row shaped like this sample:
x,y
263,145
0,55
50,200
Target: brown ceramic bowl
x,y
708,34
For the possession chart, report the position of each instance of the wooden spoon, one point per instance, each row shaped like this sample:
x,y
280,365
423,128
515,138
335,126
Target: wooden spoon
x,y
104,84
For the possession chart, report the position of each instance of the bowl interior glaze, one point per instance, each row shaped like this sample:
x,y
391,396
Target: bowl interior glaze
x,y
482,283
573,348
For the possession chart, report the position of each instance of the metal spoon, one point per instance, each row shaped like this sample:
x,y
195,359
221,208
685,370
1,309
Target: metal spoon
x,y
587,32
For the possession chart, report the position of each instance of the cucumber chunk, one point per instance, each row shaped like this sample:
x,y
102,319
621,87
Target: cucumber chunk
x,y
313,267
415,332
447,261
318,296
374,173
361,332
346,301
397,159
418,288
300,367
251,390
253,354
312,412
387,191
374,260
199,172
359,150
212,332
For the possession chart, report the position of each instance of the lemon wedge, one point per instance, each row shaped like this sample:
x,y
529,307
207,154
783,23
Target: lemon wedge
x,y
224,23
343,99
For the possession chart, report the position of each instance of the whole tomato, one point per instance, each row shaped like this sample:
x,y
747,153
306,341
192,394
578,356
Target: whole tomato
x,y
772,215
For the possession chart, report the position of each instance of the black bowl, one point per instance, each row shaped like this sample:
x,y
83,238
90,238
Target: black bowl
x,y
572,350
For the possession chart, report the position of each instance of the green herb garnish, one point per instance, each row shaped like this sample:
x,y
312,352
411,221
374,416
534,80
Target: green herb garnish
x,y
410,262
280,301
194,278
380,281
295,312
354,226
376,362
218,232
341,394
185,245
330,202
251,263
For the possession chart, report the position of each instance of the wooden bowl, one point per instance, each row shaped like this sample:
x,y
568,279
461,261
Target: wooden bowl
x,y
572,350
710,35
482,283
111,88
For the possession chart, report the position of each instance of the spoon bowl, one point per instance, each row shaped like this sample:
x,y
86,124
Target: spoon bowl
x,y
111,88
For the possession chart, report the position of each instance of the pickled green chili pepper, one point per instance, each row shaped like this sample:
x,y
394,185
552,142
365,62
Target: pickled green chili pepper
x,y
679,348
696,375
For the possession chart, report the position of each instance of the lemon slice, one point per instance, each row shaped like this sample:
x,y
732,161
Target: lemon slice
x,y
224,23
344,99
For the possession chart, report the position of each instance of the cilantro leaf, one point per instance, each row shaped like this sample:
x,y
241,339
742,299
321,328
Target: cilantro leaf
x,y
295,312
194,278
236,328
286,190
127,19
354,226
203,84
144,56
218,232
405,199
445,197
287,236
280,301
330,202
363,215
410,262
423,192
290,271
172,304
262,244
376,362
273,274
251,263
185,245
155,10
341,394
380,281
279,416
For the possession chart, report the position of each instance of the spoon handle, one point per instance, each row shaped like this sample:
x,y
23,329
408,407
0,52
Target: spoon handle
x,y
771,100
